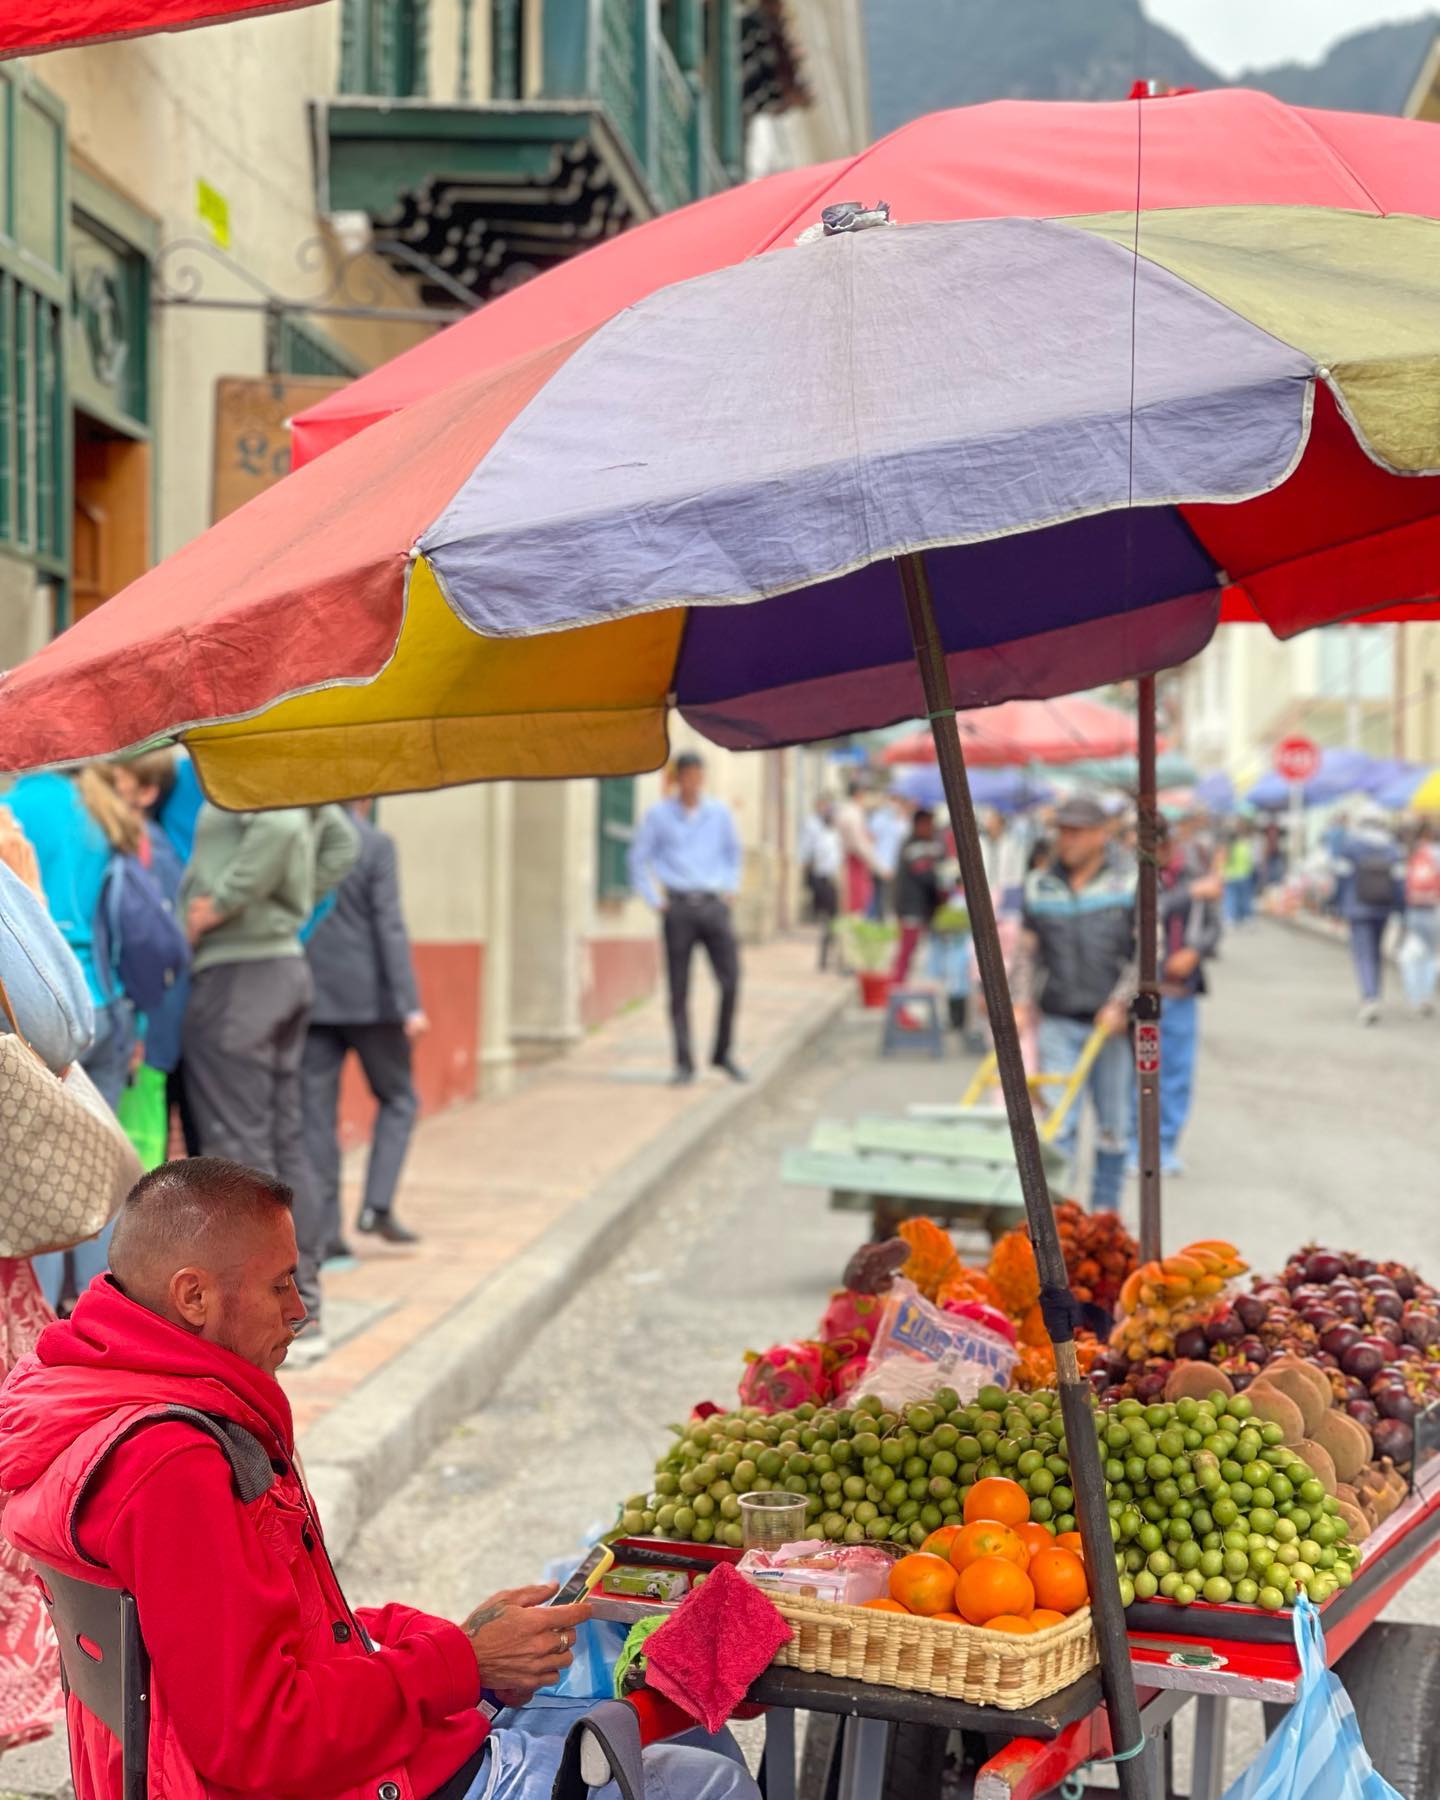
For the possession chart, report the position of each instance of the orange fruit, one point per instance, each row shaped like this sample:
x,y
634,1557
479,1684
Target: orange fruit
x,y
923,1584
1043,1618
884,1606
1035,1537
938,1543
997,1498
1010,1622
992,1586
946,1618
984,1538
1058,1577
1070,1540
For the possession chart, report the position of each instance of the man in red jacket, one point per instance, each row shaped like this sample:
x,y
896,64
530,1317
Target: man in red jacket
x,y
146,1445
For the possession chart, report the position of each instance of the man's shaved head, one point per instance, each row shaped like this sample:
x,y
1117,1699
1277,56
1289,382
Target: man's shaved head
x,y
210,1245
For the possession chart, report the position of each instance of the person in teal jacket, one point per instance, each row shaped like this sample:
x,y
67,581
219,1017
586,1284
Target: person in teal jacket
x,y
73,843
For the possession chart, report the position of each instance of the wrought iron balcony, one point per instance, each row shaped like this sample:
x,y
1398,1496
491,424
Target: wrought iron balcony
x,y
602,120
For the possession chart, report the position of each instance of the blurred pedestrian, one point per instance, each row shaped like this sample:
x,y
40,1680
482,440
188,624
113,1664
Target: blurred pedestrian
x,y
821,860
48,991
366,1000
1003,847
1190,930
1369,865
253,881
888,823
1422,920
685,861
76,823
917,888
853,825
149,782
1074,972
1239,874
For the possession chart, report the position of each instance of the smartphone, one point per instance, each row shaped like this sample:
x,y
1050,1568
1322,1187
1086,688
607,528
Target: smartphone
x,y
597,1563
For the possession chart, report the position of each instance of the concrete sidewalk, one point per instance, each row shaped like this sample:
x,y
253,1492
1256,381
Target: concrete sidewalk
x,y
517,1200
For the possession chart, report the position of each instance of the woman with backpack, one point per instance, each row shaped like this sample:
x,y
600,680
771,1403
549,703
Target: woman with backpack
x,y
88,838
1418,965
1369,863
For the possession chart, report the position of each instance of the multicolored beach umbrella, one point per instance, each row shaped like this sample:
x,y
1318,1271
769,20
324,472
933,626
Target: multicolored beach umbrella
x,y
699,502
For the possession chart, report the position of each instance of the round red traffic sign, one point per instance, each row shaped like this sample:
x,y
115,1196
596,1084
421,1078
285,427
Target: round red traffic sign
x,y
1297,758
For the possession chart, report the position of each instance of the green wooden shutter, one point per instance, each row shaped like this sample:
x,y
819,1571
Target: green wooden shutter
x,y
617,828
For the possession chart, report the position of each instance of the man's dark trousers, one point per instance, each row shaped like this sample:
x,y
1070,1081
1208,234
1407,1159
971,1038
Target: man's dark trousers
x,y
384,1052
244,1034
692,919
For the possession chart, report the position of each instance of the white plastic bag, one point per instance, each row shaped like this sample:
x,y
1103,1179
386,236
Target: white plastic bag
x,y
917,1348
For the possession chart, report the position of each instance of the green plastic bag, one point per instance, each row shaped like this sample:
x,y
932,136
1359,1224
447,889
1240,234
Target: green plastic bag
x,y
144,1114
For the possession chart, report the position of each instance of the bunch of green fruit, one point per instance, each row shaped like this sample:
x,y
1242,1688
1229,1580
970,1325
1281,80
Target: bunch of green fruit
x,y
1206,1502
866,1473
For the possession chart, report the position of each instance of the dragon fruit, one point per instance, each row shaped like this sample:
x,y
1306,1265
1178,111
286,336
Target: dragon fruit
x,y
846,1376
851,1318
785,1376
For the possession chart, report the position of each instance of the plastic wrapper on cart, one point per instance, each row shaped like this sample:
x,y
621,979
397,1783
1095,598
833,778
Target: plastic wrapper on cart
x,y
918,1348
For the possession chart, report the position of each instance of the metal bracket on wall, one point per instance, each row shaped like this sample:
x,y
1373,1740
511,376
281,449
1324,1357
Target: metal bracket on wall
x,y
187,270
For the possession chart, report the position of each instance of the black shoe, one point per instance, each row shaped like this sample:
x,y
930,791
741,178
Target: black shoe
x,y
384,1225
682,1077
731,1068
339,1251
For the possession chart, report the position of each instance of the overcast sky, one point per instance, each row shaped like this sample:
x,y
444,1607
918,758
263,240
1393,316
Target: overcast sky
x,y
1239,34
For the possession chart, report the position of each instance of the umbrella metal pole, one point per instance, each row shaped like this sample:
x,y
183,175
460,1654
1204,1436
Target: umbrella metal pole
x,y
1146,1009
1057,1303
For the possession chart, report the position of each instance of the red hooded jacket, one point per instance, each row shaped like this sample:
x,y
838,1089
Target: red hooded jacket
x,y
264,1681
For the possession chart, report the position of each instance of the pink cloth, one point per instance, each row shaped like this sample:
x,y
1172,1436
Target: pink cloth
x,y
723,1635
30,1696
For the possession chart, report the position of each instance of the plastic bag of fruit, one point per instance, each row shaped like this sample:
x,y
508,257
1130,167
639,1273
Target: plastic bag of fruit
x,y
918,1347
1316,1752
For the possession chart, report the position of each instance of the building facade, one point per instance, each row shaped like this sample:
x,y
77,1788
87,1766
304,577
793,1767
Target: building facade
x,y
202,232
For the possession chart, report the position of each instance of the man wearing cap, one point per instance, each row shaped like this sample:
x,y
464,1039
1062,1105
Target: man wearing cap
x,y
1075,973
685,861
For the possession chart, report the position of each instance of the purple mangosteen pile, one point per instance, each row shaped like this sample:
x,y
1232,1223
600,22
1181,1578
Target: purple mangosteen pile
x,y
1373,1327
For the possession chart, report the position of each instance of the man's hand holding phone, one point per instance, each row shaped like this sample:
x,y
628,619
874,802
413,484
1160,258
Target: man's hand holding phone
x,y
520,1643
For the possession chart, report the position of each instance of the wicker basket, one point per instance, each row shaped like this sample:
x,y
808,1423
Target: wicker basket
x,y
958,1662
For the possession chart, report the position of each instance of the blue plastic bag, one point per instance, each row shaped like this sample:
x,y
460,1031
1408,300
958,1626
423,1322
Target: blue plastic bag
x,y
1315,1753
596,1650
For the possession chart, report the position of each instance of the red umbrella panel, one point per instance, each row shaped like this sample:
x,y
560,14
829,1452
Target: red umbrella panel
x,y
28,26
1073,728
1011,158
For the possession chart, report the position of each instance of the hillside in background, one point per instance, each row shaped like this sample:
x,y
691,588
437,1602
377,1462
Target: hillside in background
x,y
929,54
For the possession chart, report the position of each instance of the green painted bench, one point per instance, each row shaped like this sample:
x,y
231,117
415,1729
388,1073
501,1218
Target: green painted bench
x,y
960,1170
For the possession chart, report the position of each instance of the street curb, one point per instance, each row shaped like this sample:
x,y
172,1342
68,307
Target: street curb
x,y
368,1446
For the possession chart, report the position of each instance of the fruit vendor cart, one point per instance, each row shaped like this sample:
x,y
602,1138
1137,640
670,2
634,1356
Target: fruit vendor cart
x,y
867,1741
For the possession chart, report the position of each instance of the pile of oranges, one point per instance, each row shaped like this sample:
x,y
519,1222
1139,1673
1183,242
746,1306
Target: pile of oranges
x,y
997,1569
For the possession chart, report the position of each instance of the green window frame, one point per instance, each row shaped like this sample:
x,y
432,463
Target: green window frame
x,y
615,811
34,405
384,48
302,349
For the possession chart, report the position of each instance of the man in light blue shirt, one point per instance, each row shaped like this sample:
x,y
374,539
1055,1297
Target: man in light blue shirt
x,y
685,861
889,828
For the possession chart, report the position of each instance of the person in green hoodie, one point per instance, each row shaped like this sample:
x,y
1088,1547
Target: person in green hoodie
x,y
252,883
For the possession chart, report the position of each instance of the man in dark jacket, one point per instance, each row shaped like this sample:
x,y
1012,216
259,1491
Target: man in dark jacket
x,y
366,1000
1076,967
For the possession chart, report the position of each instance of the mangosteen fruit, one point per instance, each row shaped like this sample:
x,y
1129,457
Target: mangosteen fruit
x,y
1393,1438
